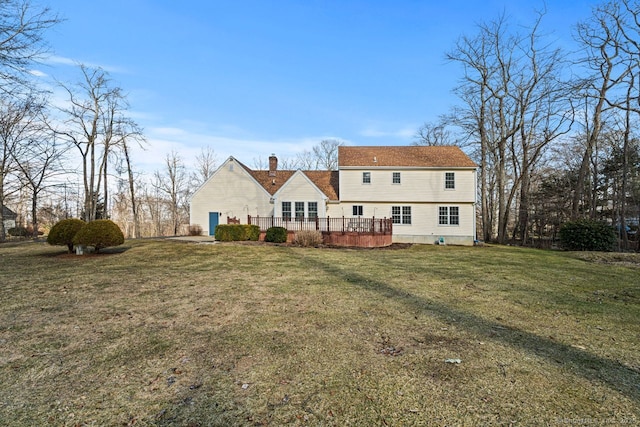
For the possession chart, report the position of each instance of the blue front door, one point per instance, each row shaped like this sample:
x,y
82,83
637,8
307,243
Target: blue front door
x,y
213,222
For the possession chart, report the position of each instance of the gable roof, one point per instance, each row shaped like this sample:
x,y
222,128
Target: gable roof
x,y
404,156
326,181
8,213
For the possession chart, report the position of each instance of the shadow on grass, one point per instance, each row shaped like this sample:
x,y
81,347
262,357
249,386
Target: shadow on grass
x,y
63,253
589,366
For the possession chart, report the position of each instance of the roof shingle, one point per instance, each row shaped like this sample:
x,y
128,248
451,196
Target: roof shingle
x,y
403,156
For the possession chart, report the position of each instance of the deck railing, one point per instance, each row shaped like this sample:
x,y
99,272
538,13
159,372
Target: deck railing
x,y
330,225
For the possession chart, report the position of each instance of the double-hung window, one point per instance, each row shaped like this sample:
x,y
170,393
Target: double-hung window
x,y
449,181
449,215
396,178
299,211
366,177
401,214
357,210
312,210
286,211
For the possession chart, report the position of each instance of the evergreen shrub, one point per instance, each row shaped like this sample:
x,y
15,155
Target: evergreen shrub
x,y
99,234
18,232
587,235
63,232
276,235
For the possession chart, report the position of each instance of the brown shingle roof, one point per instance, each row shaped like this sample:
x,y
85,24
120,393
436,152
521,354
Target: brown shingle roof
x,y
326,181
404,156
271,183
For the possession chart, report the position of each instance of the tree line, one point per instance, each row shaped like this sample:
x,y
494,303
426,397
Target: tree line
x,y
554,133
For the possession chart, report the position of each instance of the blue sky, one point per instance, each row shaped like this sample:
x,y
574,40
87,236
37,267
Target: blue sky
x,y
250,78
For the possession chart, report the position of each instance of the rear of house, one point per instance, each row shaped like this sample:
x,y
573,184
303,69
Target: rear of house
x,y
428,192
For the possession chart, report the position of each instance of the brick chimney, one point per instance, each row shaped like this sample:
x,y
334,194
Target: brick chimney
x,y
273,165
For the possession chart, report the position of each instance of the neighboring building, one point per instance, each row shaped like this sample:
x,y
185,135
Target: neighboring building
x,y
429,192
9,217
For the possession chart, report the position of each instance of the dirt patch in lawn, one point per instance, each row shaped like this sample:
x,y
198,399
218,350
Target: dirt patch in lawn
x,y
611,258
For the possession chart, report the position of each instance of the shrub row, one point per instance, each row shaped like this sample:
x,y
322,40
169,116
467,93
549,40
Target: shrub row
x,y
236,232
72,232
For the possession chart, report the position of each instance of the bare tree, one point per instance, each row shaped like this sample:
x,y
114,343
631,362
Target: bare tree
x,y
489,64
206,162
22,28
174,185
432,134
132,190
96,124
515,106
326,153
600,38
38,164
18,124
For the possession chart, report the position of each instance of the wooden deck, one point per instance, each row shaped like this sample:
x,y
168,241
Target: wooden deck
x,y
358,231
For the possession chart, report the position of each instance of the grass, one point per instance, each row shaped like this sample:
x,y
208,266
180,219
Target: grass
x,y
167,333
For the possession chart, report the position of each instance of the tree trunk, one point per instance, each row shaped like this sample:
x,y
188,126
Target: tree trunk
x,y
132,194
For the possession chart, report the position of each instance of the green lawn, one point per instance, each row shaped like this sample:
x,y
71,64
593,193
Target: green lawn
x,y
171,333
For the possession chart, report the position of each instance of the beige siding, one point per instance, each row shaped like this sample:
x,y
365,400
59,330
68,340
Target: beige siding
x,y
417,185
424,227
231,191
299,189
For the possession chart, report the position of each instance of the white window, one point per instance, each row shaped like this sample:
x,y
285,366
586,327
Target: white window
x,y
366,177
312,209
299,211
401,214
449,215
396,178
450,181
286,210
357,210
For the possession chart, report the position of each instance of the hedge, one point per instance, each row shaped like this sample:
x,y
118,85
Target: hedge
x,y
236,232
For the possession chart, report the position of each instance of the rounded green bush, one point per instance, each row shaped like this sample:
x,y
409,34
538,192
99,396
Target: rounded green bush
x,y
587,235
63,232
276,235
100,233
18,232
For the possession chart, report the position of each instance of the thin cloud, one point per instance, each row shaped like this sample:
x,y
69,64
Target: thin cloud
x,y
373,132
62,60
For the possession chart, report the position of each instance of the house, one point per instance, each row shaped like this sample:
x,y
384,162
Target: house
x,y
428,192
9,217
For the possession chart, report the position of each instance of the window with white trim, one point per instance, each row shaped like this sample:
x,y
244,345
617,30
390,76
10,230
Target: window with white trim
x,y
286,210
357,210
299,211
366,177
449,215
449,181
312,210
401,214
396,178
